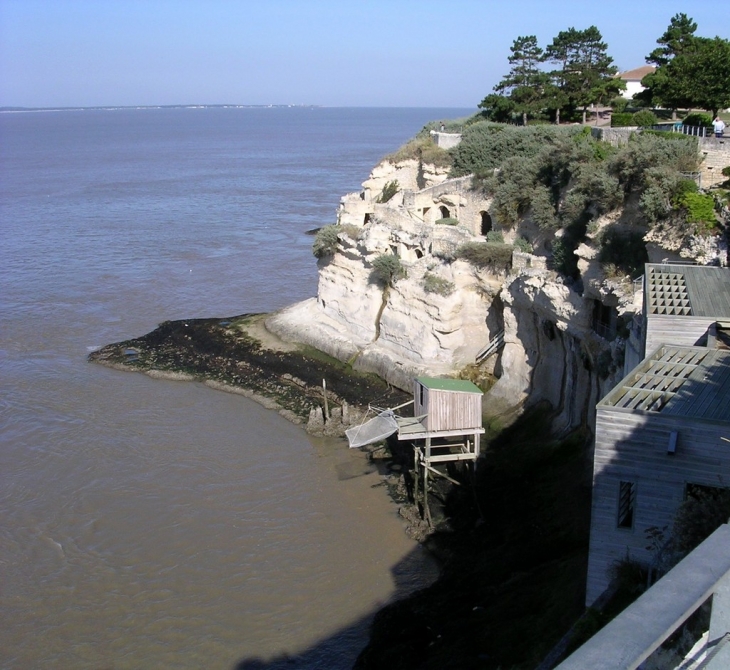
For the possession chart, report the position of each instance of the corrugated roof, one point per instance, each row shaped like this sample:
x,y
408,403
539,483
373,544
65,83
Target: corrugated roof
x,y
688,290
681,381
440,384
637,74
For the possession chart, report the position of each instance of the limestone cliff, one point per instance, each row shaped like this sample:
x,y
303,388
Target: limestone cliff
x,y
564,341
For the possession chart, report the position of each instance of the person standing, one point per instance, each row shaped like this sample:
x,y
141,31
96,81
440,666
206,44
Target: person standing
x,y
719,126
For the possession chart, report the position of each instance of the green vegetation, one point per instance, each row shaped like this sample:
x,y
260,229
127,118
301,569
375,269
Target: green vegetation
x,y
698,119
434,284
522,244
447,221
326,241
700,208
692,72
491,255
583,75
644,118
389,190
388,269
423,149
622,119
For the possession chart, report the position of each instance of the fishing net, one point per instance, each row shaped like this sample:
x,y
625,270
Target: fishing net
x,y
377,428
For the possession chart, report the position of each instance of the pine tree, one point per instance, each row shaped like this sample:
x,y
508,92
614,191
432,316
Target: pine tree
x,y
525,82
585,73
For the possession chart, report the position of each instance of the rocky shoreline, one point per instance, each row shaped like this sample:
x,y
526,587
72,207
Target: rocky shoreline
x,y
237,354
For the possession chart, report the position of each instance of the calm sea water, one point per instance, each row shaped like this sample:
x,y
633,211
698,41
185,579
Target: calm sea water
x,y
150,523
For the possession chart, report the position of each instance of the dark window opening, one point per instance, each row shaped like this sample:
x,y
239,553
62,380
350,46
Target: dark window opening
x,y
486,223
604,320
626,504
426,210
420,396
419,253
367,219
445,214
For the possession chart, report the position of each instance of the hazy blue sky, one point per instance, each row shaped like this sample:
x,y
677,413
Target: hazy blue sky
x,y
419,53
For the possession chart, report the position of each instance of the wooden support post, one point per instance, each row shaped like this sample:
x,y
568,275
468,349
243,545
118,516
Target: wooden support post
x,y
326,408
427,460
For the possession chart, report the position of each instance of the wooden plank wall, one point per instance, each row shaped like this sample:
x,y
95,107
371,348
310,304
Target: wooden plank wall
x,y
632,446
448,410
675,330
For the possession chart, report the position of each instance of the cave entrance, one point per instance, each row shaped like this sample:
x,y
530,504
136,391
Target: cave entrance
x,y
604,320
486,222
445,214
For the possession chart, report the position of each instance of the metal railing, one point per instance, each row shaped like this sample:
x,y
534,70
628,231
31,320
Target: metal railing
x,y
628,640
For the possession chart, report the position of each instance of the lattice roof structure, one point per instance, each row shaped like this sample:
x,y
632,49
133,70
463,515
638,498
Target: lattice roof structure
x,y
693,382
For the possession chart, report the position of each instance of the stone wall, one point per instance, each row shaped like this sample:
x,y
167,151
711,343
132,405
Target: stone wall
x,y
716,154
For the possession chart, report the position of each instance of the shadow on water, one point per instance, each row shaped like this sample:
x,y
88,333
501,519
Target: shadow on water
x,y
339,651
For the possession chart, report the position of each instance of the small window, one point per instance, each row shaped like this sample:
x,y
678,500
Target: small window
x,y
420,397
626,504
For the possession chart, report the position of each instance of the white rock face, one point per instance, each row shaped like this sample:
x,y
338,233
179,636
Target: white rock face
x,y
552,352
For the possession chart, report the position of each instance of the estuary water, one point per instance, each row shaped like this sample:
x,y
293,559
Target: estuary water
x,y
148,523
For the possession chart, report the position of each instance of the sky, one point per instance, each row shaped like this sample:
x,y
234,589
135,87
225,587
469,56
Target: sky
x,y
335,53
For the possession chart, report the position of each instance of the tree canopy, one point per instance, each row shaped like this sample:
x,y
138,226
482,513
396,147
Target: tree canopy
x,y
584,75
692,72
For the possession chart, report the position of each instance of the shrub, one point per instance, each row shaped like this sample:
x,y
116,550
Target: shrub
x,y
486,254
622,119
494,236
619,104
423,149
434,284
447,221
654,203
523,244
543,208
682,188
624,249
644,118
485,146
388,269
564,259
700,208
326,240
698,119
389,190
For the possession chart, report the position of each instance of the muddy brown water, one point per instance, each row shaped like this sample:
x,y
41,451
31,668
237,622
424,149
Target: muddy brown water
x,y
150,523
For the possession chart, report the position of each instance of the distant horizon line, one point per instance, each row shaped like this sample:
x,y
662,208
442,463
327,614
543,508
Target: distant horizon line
x,y
18,109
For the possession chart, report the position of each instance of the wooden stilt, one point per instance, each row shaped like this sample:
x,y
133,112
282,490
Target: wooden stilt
x,y
426,508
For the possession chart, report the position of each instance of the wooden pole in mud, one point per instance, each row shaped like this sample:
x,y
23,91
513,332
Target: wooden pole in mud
x,y
326,408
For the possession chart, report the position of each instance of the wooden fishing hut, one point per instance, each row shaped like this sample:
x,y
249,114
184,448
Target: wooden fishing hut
x,y
444,409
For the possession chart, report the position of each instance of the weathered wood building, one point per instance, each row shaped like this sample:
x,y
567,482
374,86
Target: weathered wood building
x,y
444,409
659,432
681,302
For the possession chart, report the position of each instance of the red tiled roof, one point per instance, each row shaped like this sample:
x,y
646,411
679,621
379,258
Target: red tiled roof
x,y
637,74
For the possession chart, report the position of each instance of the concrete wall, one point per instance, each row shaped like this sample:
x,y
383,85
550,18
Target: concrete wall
x,y
445,140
